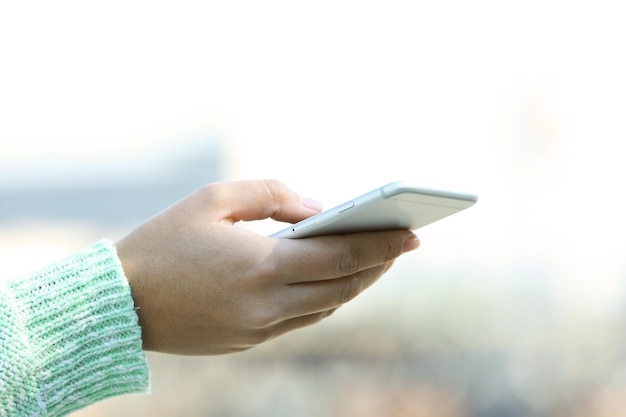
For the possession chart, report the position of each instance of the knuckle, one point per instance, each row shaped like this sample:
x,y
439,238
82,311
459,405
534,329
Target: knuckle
x,y
267,269
349,290
262,336
275,188
208,193
261,317
349,262
259,320
256,337
210,189
390,251
315,318
273,184
387,266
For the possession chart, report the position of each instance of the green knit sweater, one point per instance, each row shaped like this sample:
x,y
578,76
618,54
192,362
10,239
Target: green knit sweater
x,y
69,336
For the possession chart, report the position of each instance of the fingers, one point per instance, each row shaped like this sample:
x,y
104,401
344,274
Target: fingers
x,y
312,297
312,302
257,200
299,322
300,305
331,257
263,334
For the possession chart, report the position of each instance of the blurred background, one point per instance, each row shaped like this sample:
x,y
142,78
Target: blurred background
x,y
111,111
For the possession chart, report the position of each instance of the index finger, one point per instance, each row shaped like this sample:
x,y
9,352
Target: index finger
x,y
257,200
330,257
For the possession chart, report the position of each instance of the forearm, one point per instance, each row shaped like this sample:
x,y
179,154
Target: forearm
x,y
69,336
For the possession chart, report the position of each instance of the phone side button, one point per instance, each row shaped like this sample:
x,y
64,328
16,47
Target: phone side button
x,y
346,207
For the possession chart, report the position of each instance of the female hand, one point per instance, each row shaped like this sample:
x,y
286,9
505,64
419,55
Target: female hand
x,y
201,285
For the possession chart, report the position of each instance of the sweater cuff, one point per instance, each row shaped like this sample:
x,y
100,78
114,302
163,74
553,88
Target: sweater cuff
x,y
83,330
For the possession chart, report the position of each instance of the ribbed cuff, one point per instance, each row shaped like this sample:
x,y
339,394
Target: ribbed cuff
x,y
83,331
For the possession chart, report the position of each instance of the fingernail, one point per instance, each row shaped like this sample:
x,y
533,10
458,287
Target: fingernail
x,y
311,203
410,243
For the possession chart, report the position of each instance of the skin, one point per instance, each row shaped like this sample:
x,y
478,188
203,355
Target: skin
x,y
203,286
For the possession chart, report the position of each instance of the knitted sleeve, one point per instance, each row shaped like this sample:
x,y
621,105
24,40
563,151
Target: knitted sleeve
x,y
69,336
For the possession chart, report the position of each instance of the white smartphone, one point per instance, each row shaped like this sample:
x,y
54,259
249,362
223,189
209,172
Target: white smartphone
x,y
398,205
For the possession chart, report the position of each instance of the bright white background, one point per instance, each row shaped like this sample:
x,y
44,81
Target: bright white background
x,y
524,102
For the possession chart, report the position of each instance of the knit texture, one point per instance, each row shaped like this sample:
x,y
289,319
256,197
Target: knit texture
x,y
69,336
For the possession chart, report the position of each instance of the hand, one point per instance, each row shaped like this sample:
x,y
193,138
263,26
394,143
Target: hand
x,y
204,286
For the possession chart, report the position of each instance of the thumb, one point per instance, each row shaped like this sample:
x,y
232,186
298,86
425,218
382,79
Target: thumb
x,y
261,199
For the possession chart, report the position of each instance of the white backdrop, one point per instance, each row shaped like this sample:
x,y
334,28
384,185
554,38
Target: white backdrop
x,y
524,102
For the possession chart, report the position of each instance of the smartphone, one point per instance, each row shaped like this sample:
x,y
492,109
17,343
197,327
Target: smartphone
x,y
397,205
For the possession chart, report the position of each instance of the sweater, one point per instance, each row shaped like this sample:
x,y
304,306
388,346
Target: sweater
x,y
69,336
